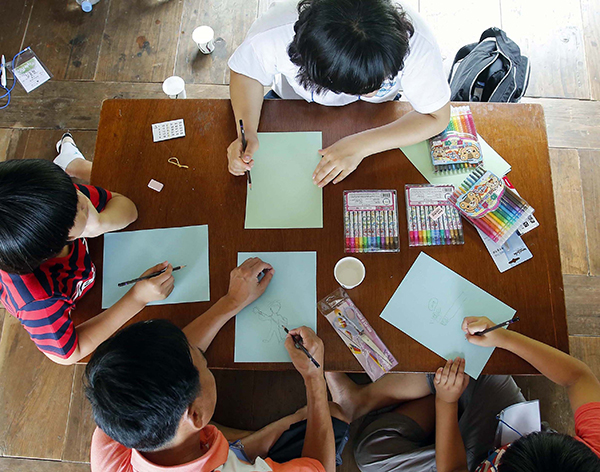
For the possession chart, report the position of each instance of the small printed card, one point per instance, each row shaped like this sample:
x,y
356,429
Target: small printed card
x,y
31,74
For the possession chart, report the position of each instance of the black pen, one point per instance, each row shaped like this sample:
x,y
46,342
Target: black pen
x,y
298,340
501,325
146,277
244,145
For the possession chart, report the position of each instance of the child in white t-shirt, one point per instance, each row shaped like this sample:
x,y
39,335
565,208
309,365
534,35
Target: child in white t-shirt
x,y
335,52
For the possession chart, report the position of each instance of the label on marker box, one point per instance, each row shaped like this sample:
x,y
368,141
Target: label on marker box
x,y
429,195
437,213
382,200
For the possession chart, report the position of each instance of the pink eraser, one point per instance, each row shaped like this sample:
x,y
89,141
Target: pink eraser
x,y
155,185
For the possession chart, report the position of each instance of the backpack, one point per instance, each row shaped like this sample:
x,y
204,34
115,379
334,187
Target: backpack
x,y
492,70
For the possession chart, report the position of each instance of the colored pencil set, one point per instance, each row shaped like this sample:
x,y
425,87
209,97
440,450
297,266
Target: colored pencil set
x,y
456,149
432,219
371,221
485,201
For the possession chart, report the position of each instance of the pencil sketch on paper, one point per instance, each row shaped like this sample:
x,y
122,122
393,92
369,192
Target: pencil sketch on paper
x,y
274,319
436,309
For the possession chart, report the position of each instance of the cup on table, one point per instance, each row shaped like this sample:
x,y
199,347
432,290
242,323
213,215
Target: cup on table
x,y
174,87
349,272
204,37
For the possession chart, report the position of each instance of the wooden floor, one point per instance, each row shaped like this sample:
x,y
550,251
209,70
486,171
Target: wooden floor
x,y
126,48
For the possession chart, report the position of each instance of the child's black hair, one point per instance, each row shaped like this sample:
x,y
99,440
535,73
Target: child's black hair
x,y
349,46
549,452
38,205
140,383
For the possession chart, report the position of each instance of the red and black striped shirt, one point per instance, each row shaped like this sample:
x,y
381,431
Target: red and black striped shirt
x,y
43,300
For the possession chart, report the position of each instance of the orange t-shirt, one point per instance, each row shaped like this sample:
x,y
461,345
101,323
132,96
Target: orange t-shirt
x,y
110,456
587,425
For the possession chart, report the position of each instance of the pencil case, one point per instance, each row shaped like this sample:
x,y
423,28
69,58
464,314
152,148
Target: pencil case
x,y
356,332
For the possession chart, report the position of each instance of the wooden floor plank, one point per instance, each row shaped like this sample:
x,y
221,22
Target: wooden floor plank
x,y
80,425
568,200
67,39
41,143
586,349
140,41
29,465
2,316
591,34
5,137
76,105
582,298
34,403
230,20
571,123
16,17
474,15
551,35
590,177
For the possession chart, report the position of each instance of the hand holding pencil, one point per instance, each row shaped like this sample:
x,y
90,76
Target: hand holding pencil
x,y
158,287
482,331
314,347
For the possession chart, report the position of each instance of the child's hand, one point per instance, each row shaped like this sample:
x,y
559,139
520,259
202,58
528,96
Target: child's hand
x,y
313,344
155,288
244,286
475,324
451,381
239,161
338,161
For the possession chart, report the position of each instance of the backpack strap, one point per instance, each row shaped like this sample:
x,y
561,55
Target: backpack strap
x,y
460,55
509,47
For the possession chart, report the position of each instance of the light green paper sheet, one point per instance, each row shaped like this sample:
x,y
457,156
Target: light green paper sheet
x,y
290,300
283,194
430,304
127,254
420,156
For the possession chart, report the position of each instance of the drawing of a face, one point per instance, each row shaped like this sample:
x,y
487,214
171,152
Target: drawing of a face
x,y
438,153
469,152
470,202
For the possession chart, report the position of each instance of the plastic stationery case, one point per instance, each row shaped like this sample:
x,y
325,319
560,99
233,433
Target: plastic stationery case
x,y
456,149
432,220
356,332
371,221
488,204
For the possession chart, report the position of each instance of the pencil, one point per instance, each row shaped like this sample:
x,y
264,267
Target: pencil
x,y
299,345
244,145
146,277
501,325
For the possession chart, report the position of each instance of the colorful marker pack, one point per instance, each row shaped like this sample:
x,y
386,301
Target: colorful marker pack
x,y
456,149
371,221
486,202
432,219
356,332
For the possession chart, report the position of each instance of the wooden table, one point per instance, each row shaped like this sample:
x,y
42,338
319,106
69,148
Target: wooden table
x,y
126,159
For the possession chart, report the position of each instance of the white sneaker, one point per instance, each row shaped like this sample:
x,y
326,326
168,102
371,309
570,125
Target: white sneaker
x,y
67,151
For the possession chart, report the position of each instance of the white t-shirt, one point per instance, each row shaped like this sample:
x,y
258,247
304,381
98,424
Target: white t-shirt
x,y
263,56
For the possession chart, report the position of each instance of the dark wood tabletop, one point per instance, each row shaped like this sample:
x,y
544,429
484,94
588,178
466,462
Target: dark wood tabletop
x,y
126,159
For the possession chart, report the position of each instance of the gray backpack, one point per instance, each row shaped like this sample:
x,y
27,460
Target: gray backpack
x,y
492,70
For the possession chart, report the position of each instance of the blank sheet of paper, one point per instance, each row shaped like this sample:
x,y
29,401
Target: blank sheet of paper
x,y
289,300
128,254
430,304
283,194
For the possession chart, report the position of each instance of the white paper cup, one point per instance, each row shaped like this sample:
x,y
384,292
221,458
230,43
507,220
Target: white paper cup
x,y
174,87
204,37
349,272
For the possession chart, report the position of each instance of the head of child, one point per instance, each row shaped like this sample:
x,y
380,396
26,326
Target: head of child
x,y
40,212
548,452
349,46
149,388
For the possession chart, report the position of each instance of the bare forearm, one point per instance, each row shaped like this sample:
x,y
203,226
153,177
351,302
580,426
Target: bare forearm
x,y
203,329
246,100
119,213
95,331
450,455
319,442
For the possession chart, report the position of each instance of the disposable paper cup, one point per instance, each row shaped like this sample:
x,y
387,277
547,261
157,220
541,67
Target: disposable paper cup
x,y
174,87
349,272
204,37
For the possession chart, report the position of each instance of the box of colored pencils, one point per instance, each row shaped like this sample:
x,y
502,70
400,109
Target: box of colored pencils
x,y
432,219
484,200
371,221
456,149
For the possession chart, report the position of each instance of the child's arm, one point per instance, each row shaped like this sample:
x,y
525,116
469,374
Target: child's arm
x,y
582,386
343,156
119,213
244,288
450,382
96,330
